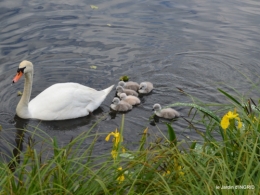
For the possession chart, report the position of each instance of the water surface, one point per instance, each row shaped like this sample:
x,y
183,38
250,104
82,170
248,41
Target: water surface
x,y
194,45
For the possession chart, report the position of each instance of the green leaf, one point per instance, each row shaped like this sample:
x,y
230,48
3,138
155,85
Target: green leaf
x,y
77,184
126,155
172,136
193,145
124,78
55,148
230,97
93,7
103,186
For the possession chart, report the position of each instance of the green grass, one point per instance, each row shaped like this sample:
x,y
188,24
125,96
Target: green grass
x,y
162,166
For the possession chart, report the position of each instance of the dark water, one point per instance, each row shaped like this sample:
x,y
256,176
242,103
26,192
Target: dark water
x,y
195,45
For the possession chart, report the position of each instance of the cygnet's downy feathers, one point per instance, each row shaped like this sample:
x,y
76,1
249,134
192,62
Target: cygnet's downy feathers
x,y
118,105
167,113
132,100
145,87
129,85
120,90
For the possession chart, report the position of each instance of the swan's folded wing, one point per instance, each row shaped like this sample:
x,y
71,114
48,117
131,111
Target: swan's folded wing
x,y
65,101
169,113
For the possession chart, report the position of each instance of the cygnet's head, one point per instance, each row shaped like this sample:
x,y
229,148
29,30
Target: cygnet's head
x,y
116,100
157,107
143,86
121,83
24,68
122,96
119,89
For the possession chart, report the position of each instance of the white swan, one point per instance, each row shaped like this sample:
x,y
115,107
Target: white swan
x,y
167,113
145,87
132,100
120,90
58,102
129,85
120,105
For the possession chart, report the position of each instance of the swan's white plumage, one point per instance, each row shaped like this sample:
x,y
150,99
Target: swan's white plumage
x,y
67,100
61,101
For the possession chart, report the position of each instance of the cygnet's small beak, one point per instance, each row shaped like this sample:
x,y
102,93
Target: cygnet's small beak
x,y
17,76
153,109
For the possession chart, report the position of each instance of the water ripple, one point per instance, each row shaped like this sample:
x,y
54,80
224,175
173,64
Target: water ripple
x,y
192,45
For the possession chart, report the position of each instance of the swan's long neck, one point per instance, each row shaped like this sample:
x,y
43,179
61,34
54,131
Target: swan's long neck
x,y
22,107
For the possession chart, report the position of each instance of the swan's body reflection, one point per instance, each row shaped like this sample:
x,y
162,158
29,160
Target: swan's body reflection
x,y
19,139
24,127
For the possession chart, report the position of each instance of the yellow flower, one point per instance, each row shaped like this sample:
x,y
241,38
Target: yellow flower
x,y
227,117
116,139
224,122
121,178
114,154
177,167
239,125
181,173
166,173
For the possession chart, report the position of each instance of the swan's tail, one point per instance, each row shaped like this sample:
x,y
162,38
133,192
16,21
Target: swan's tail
x,y
107,90
98,98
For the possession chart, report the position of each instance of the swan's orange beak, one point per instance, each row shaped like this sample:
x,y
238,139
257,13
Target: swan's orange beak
x,y
17,76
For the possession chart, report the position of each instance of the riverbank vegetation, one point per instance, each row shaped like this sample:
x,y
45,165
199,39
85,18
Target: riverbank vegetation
x,y
224,161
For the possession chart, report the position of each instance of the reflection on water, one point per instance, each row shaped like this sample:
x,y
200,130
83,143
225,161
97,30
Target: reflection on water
x,y
194,45
19,139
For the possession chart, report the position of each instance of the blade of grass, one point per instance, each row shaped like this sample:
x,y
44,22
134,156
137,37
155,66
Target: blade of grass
x,y
231,98
172,135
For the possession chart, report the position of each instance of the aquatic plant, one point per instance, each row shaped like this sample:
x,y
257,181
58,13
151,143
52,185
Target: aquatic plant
x,y
124,78
224,160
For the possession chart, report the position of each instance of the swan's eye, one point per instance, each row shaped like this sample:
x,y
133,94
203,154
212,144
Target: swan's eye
x,y
20,69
